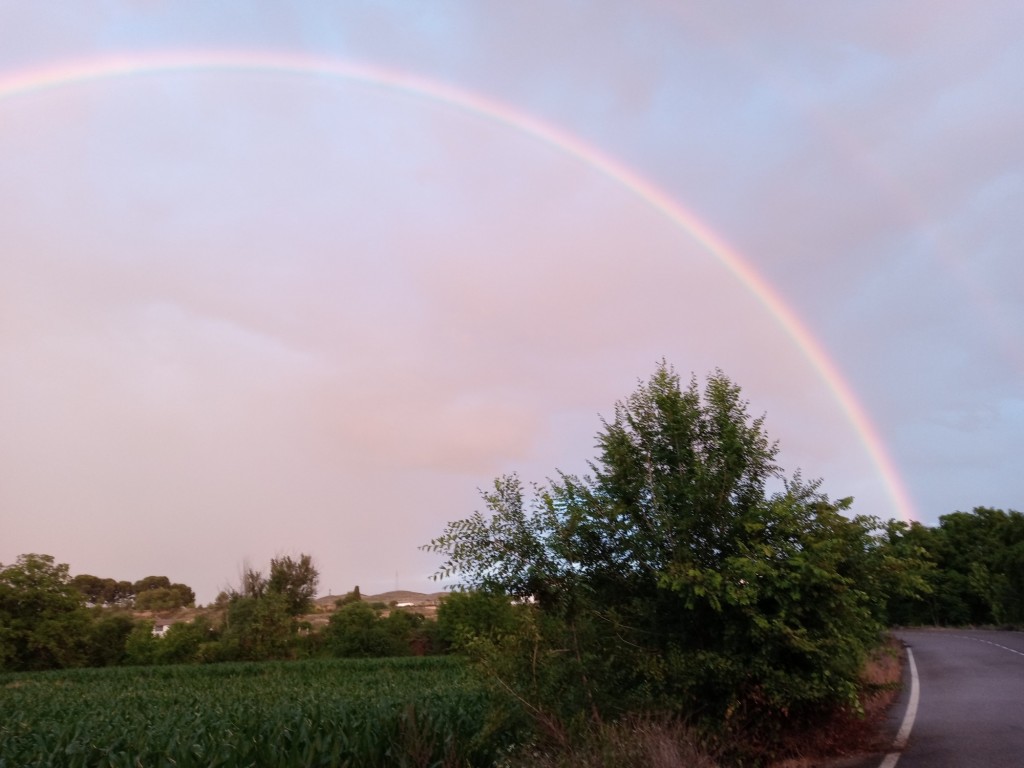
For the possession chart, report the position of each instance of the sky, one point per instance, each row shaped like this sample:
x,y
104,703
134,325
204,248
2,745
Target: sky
x,y
303,278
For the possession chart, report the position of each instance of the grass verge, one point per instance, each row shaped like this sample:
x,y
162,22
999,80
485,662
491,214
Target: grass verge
x,y
847,735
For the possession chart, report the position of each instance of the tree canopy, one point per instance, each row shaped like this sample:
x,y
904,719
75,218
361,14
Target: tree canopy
x,y
42,620
686,571
295,580
975,572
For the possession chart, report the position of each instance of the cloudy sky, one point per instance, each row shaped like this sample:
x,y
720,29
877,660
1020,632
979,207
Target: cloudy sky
x,y
282,278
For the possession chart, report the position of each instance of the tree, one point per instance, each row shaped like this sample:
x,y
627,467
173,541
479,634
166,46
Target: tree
x,y
184,640
976,573
258,628
107,640
93,588
141,646
674,577
166,598
151,582
464,616
355,630
43,623
296,581
350,597
260,619
105,592
254,584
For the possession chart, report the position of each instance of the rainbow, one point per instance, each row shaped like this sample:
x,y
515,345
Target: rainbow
x,y
72,72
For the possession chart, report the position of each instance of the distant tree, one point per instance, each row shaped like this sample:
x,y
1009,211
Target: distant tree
x,y
409,633
108,592
158,599
906,559
351,597
260,613
151,582
93,588
165,598
294,580
184,640
120,594
976,574
356,630
251,583
254,583
258,629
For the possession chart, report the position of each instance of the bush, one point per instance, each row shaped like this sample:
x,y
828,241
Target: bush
x,y
673,580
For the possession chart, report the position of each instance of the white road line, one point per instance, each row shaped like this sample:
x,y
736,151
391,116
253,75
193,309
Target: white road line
x,y
908,718
997,645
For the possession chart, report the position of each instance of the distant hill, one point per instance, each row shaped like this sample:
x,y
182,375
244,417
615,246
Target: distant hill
x,y
398,596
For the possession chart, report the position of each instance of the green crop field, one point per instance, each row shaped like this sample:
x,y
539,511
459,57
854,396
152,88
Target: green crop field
x,y
374,712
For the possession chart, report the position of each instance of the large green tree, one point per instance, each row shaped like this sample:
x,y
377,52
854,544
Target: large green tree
x,y
43,622
686,572
260,621
258,628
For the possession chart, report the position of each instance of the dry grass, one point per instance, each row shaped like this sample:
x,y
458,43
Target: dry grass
x,y
848,735
636,743
843,739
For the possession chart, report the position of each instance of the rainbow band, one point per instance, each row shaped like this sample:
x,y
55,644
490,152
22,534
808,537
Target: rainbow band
x,y
82,71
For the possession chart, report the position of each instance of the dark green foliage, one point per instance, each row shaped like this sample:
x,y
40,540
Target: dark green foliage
x,y
358,630
258,629
674,578
977,573
141,646
43,623
260,622
184,640
166,598
351,597
295,581
107,639
106,592
153,593
151,582
355,631
464,616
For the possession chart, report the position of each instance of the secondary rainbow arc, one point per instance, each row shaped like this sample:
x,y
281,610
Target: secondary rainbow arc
x,y
109,66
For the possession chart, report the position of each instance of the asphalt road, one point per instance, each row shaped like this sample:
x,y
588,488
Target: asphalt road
x,y
971,700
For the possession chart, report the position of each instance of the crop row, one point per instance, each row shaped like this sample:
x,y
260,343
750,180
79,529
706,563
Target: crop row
x,y
381,712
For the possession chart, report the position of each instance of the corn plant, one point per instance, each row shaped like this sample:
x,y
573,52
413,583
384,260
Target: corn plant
x,y
374,712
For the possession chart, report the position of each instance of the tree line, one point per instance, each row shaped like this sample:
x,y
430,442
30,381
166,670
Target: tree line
x,y
152,593
51,620
687,574
973,570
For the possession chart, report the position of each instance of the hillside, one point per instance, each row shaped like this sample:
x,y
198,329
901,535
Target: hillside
x,y
396,596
